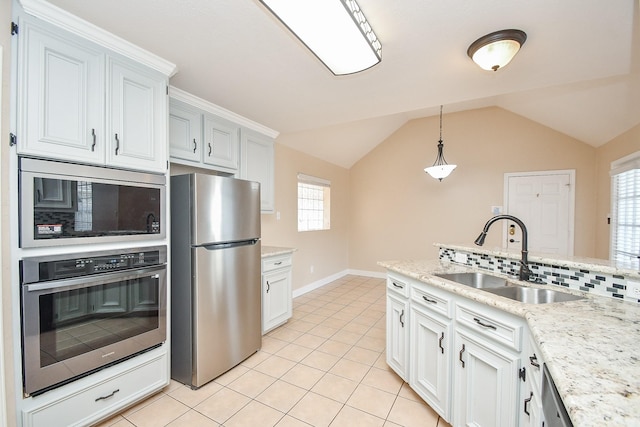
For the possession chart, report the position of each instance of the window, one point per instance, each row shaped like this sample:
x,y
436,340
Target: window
x,y
625,210
314,203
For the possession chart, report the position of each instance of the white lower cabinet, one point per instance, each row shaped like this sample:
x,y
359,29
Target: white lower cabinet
x,y
531,414
276,291
430,359
397,326
101,399
462,357
486,383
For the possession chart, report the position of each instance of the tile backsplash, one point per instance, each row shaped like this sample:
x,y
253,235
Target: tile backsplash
x,y
604,284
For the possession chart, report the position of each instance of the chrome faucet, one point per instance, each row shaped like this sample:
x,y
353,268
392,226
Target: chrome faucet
x,y
525,273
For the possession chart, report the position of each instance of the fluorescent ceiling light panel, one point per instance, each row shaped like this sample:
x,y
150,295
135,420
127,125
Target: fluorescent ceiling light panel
x,y
336,31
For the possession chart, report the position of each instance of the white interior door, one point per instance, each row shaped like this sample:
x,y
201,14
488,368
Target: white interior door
x,y
544,201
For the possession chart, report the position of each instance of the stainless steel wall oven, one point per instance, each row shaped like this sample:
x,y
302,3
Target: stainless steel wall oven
x,y
83,312
64,203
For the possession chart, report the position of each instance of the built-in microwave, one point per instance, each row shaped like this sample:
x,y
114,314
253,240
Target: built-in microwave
x,y
64,203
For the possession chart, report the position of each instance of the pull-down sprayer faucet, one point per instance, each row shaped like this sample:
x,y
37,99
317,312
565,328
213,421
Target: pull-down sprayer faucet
x,y
525,272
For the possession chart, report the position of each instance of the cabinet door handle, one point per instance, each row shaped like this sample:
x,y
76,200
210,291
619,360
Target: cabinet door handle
x,y
107,396
401,320
460,357
534,361
117,144
210,148
38,196
432,301
440,343
395,285
526,404
484,325
268,286
93,136
195,145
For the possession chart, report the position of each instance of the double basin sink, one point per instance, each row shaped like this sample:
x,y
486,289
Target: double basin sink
x,y
502,287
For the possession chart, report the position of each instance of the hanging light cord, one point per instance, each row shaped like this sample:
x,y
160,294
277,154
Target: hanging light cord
x,y
440,123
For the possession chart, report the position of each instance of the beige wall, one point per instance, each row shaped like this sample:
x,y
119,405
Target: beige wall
x,y
326,251
623,145
398,211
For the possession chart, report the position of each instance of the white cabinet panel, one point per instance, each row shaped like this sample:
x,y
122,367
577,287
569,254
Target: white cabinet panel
x,y
398,335
258,165
136,126
61,100
221,142
185,132
430,359
486,383
277,303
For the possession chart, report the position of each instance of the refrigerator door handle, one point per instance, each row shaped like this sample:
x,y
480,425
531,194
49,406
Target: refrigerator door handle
x,y
226,245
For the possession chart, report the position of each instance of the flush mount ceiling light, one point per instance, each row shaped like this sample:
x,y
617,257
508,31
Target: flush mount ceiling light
x,y
497,49
440,168
335,31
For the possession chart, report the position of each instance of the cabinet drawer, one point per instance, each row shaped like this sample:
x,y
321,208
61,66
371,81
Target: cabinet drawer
x,y
429,298
493,324
398,285
275,262
103,399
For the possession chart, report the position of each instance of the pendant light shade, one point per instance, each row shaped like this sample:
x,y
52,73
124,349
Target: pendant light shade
x,y
497,49
335,31
440,169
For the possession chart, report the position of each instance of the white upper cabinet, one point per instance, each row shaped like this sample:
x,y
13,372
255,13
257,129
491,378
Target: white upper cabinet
x,y
137,117
79,101
257,164
185,132
204,135
221,142
62,107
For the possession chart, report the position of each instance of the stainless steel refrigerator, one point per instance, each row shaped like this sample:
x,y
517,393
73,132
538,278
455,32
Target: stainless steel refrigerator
x,y
215,275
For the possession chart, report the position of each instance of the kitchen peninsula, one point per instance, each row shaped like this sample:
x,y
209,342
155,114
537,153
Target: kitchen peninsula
x,y
589,345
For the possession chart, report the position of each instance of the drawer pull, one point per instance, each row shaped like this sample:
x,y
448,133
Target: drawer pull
x,y
460,357
484,325
397,286
534,361
526,404
107,396
440,343
432,301
277,263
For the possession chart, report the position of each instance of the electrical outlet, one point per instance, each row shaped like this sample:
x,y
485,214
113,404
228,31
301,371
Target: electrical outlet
x,y
460,257
633,289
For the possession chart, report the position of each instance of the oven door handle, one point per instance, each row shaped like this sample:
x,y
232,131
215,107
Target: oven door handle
x,y
94,280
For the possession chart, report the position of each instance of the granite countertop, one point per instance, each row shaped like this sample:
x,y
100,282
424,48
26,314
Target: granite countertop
x,y
268,251
590,346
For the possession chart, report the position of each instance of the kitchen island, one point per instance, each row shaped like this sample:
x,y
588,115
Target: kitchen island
x,y
590,346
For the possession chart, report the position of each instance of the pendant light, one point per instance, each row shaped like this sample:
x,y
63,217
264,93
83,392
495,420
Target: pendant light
x,y
497,49
440,168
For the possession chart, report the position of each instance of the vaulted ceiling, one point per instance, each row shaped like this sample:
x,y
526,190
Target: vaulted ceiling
x,y
578,72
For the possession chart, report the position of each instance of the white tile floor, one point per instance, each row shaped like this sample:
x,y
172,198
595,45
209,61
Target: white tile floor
x,y
325,367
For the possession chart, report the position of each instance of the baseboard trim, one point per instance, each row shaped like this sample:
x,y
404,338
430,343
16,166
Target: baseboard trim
x,y
325,281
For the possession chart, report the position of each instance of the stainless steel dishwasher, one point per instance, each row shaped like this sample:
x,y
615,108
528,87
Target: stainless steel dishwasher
x,y
555,413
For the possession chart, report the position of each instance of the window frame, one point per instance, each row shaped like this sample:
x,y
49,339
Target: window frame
x,y
319,185
619,167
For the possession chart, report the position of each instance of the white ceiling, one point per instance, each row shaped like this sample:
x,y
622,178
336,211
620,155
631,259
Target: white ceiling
x,y
578,72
